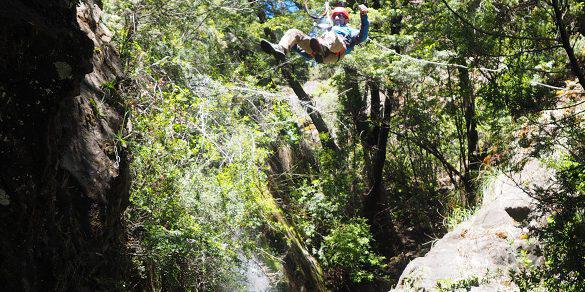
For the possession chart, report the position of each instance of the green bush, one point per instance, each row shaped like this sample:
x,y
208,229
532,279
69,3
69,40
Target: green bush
x,y
348,248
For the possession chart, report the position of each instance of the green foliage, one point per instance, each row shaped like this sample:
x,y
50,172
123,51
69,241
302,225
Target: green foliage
x,y
457,216
466,284
206,116
200,141
196,189
348,248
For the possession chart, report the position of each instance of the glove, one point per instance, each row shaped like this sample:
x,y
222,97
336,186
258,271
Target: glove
x,y
363,9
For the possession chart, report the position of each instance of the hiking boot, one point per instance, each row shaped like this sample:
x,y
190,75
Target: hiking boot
x,y
271,48
316,47
319,51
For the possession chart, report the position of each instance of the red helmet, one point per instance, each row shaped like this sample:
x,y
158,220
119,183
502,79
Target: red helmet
x,y
340,10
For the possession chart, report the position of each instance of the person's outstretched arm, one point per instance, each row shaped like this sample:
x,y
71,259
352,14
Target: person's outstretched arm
x,y
365,24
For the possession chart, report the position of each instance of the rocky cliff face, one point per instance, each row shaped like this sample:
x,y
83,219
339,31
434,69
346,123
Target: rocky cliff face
x,y
479,253
63,176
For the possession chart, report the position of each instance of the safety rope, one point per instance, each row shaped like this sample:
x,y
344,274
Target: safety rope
x,y
314,16
323,21
327,13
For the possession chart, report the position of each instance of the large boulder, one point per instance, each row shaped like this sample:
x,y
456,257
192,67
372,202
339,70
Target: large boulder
x,y
63,174
480,252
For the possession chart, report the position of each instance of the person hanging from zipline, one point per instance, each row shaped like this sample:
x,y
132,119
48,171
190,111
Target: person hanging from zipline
x,y
330,47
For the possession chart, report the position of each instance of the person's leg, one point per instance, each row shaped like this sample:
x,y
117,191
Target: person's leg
x,y
295,37
334,47
333,42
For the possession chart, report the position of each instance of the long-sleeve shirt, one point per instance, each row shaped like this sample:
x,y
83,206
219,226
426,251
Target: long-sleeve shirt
x,y
352,36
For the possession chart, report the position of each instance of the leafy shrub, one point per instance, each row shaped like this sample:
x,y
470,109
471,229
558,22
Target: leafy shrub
x,y
348,248
458,215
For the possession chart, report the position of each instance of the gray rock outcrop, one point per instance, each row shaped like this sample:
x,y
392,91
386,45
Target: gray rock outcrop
x,y
480,252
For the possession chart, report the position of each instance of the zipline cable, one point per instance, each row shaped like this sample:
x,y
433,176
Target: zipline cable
x,y
433,62
445,64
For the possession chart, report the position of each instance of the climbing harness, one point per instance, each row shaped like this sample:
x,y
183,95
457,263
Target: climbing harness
x,y
338,54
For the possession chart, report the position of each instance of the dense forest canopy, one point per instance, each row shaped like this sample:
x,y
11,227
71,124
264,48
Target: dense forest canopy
x,y
335,176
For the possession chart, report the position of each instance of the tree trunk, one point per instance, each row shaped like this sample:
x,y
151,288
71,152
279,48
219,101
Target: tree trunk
x,y
373,136
327,140
566,42
302,270
471,162
376,207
